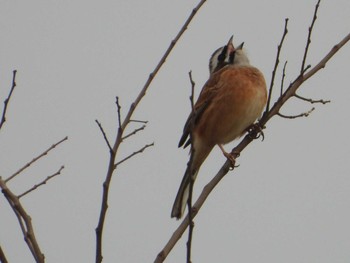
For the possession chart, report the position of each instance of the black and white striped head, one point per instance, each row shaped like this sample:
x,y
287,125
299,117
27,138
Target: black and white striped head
x,y
227,55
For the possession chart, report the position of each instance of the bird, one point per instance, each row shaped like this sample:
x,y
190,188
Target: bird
x,y
229,103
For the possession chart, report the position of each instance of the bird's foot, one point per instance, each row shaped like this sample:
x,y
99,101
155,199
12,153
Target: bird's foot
x,y
230,156
255,131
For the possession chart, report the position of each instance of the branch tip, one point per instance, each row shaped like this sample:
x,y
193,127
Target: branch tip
x,y
7,100
279,48
308,41
304,114
42,182
311,100
104,136
133,154
36,159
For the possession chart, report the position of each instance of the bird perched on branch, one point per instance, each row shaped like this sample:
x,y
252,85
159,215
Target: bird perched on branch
x,y
229,103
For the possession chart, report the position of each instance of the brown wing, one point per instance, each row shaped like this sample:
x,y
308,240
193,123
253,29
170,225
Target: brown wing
x,y
206,96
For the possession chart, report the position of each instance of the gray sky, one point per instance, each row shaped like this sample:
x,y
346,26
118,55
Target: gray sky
x,y
287,202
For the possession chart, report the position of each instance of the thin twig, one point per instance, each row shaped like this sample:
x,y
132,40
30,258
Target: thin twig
x,y
190,218
134,132
104,135
7,100
304,114
41,183
290,92
134,153
35,159
308,42
119,111
193,84
279,47
160,64
190,192
311,100
283,77
139,121
307,68
118,140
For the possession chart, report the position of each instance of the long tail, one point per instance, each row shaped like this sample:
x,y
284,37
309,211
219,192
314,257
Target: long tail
x,y
183,193
198,154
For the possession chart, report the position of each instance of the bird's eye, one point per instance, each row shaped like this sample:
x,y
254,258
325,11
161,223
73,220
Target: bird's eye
x,y
222,55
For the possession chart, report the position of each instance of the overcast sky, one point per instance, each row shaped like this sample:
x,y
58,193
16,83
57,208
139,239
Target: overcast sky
x,y
287,202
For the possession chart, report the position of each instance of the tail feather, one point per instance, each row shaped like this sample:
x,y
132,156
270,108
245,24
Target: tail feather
x,y
183,193
198,153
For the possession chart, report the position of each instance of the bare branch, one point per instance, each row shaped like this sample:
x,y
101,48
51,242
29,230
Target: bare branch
x,y
139,121
118,110
119,137
104,135
191,223
134,132
133,154
290,92
193,84
190,192
302,70
307,68
160,64
36,159
7,100
311,100
279,47
283,77
25,222
41,183
304,114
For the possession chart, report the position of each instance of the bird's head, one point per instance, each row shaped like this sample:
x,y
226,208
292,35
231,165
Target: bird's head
x,y
227,55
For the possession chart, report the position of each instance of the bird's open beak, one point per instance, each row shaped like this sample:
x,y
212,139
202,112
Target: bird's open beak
x,y
230,47
240,46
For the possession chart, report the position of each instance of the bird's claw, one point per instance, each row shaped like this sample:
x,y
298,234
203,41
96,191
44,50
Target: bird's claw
x,y
232,158
255,131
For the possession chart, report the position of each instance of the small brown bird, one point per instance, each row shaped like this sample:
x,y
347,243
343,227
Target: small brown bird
x,y
229,103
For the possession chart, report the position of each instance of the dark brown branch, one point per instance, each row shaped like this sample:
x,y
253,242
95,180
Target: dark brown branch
x,y
25,222
303,69
311,100
190,192
118,140
279,48
304,114
283,77
133,154
41,183
193,84
160,64
243,144
104,135
134,132
3,258
139,121
306,69
36,159
7,100
290,92
119,111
